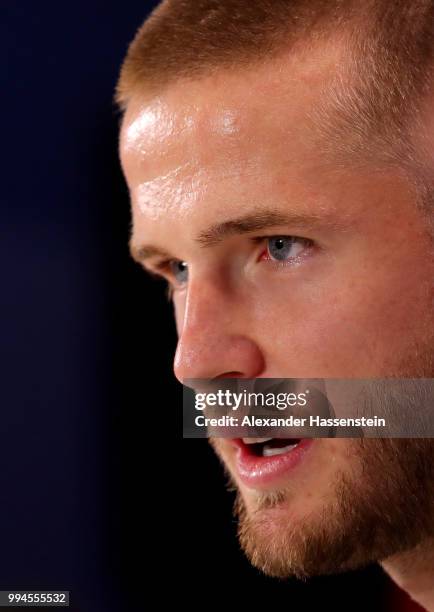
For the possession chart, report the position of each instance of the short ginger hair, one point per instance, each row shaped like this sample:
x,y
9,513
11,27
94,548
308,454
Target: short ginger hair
x,y
190,38
390,56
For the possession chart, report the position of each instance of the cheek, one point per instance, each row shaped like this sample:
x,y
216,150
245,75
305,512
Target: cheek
x,y
345,325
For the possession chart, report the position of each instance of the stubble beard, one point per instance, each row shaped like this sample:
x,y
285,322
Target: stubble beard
x,y
383,506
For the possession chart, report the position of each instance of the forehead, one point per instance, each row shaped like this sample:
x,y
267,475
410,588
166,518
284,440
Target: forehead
x,y
264,106
216,148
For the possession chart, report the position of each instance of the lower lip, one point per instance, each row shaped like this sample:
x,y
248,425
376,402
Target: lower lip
x,y
263,472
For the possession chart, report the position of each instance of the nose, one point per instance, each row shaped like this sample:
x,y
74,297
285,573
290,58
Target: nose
x,y
213,339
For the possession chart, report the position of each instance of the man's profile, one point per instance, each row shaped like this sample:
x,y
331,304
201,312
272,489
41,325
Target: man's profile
x,y
280,161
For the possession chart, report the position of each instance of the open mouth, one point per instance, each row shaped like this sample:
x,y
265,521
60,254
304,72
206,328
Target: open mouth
x,y
267,462
270,447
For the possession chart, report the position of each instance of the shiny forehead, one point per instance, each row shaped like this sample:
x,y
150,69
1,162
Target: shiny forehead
x,y
278,98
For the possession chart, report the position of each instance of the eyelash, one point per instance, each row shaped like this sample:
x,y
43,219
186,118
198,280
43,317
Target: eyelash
x,y
164,266
283,264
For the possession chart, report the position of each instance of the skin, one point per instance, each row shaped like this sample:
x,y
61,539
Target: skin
x,y
356,300
413,572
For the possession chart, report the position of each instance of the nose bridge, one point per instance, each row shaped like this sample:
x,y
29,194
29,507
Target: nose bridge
x,y
213,337
208,305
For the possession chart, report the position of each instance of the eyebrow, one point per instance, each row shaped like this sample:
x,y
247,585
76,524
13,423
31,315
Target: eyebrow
x,y
258,221
253,222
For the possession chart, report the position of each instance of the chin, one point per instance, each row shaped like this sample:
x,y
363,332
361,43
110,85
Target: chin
x,y
327,517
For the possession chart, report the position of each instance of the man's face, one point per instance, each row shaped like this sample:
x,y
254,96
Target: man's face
x,y
285,264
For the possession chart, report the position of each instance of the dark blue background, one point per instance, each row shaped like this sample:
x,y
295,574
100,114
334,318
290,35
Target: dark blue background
x,y
89,490
66,394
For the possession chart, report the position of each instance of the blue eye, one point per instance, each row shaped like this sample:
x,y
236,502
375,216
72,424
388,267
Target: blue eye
x,y
179,270
282,248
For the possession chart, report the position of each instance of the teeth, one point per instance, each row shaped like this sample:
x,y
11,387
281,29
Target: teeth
x,y
268,451
256,440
